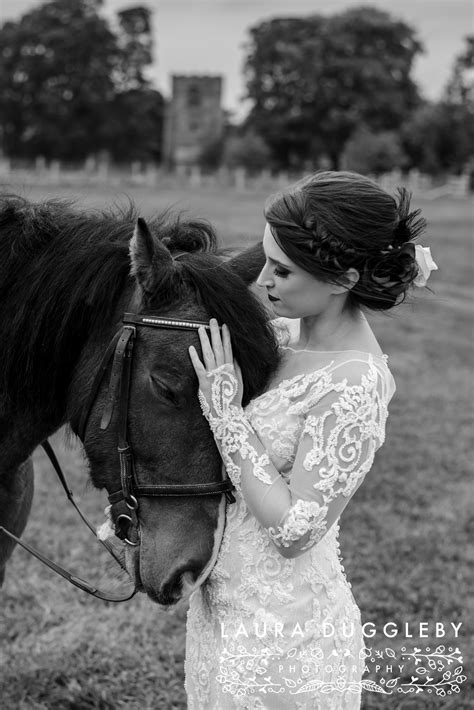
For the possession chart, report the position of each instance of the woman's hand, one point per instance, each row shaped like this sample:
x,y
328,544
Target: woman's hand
x,y
220,378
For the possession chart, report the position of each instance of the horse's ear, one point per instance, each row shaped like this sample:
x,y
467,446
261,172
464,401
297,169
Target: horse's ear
x,y
249,263
147,254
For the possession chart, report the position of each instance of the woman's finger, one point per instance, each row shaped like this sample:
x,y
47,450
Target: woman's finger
x,y
197,364
227,344
216,342
207,352
238,372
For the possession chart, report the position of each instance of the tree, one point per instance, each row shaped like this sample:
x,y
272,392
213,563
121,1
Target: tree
x,y
368,152
136,44
135,126
460,88
247,151
55,79
439,137
313,80
69,84
135,120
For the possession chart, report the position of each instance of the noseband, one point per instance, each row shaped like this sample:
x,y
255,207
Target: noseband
x,y
124,502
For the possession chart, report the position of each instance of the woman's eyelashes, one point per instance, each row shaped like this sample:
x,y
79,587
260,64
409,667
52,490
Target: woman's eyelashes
x,y
278,271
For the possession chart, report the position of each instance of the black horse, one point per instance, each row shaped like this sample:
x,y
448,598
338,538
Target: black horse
x,y
66,278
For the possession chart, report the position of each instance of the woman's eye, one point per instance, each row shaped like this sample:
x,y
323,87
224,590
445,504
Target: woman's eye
x,y
280,272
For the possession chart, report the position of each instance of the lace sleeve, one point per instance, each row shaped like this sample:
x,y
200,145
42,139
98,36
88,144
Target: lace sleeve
x,y
342,431
344,424
232,431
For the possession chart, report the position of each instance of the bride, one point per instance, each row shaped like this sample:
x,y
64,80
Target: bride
x,y
276,625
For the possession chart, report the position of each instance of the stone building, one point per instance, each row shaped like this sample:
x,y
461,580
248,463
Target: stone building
x,y
193,118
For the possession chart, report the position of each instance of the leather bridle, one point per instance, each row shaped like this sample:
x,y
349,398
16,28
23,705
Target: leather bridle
x,y
124,501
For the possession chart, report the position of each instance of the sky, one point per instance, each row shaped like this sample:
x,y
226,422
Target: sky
x,y
208,36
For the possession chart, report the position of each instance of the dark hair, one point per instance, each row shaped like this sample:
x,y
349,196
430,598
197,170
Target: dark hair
x,y
334,221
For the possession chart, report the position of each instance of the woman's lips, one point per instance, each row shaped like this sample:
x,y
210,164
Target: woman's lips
x,y
272,298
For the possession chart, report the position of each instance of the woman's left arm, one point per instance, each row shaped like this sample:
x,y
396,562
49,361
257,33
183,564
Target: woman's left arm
x,y
340,435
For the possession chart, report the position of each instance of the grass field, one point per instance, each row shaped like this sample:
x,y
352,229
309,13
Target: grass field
x,y
406,537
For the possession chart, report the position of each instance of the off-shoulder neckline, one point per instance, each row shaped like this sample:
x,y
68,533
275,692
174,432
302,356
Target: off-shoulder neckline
x,y
332,352
289,380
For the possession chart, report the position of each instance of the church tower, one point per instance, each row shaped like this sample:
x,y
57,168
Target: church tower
x,y
194,118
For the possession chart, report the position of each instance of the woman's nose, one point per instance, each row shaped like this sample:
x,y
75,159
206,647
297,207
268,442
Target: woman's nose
x,y
264,278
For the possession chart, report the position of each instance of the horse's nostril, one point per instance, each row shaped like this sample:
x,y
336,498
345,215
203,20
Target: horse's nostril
x,y
172,590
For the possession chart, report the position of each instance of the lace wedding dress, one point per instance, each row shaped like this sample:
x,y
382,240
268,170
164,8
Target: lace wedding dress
x,y
267,630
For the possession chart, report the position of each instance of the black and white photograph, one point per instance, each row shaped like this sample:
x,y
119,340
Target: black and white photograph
x,y
236,360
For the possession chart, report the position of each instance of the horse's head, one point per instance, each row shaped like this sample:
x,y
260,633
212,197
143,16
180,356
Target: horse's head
x,y
176,276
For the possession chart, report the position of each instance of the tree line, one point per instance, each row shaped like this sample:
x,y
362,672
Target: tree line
x,y
323,90
72,86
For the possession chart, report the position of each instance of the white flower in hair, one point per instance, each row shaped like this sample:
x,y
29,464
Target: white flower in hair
x,y
426,265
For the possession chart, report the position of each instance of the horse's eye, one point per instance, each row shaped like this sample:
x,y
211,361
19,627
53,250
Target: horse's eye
x,y
164,391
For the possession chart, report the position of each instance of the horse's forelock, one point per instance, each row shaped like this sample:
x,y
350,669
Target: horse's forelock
x,y
225,296
169,282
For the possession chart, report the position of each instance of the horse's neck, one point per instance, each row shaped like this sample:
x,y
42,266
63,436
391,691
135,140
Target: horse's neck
x,y
19,437
22,429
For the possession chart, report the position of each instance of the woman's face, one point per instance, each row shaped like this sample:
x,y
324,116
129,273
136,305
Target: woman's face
x,y
292,291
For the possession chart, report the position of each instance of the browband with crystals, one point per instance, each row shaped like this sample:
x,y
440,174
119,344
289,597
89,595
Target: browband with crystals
x,y
159,322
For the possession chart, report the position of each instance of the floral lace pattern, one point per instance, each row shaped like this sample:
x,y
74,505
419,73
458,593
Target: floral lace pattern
x,y
302,518
358,416
230,426
270,632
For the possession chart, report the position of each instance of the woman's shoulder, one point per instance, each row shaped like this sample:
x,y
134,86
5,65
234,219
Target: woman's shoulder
x,y
354,365
340,371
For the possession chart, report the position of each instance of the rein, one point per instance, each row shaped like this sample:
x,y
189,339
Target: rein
x,y
124,501
73,579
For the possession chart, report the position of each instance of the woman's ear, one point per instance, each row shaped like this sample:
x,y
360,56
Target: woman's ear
x,y
347,281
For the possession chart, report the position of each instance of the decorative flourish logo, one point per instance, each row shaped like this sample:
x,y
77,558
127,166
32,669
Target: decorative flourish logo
x,y
245,671
428,665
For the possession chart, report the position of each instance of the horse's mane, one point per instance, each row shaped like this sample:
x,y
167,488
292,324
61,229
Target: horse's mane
x,y
63,277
